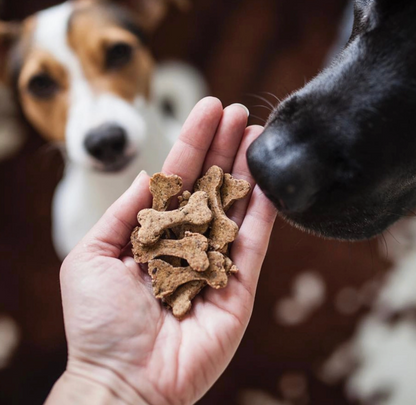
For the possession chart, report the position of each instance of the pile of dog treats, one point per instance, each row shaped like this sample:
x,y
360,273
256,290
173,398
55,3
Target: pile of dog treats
x,y
186,249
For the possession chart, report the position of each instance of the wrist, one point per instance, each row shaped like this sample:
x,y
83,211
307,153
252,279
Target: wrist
x,y
81,389
74,389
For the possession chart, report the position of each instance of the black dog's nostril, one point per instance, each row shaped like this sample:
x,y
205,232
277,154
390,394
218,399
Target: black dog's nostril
x,y
292,189
285,171
106,143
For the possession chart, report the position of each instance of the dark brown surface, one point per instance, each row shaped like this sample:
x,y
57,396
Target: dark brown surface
x,y
243,47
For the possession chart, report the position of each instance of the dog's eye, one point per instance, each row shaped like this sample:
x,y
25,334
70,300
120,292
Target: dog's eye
x,y
43,86
118,55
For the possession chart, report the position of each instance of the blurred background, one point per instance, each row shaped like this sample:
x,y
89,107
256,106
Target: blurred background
x,y
312,292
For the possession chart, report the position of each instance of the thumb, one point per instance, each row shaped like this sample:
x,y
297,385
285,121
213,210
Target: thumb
x,y
112,232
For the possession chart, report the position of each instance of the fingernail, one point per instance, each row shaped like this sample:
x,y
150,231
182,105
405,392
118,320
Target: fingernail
x,y
141,174
242,106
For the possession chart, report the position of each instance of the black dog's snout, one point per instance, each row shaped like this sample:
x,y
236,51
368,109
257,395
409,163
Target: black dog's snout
x,y
286,172
106,143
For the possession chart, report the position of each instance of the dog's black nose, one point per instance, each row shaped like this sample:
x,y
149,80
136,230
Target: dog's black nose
x,y
106,143
285,171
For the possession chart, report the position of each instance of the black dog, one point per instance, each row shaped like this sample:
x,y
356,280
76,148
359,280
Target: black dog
x,y
338,157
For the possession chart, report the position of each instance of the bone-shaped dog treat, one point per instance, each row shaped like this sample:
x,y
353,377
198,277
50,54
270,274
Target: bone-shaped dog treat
x,y
184,198
179,231
153,223
204,210
163,188
229,266
223,229
192,248
181,300
232,190
166,278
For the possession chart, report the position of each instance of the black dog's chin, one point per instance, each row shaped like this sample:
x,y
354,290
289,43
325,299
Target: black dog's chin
x,y
349,228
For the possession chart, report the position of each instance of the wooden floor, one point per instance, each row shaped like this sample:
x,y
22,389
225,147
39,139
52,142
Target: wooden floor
x,y
244,48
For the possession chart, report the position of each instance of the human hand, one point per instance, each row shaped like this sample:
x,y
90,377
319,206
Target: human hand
x,y
124,347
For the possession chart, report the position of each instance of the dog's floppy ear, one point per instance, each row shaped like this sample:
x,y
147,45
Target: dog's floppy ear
x,y
149,13
9,34
387,6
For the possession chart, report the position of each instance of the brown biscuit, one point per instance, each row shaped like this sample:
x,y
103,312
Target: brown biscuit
x,y
154,223
223,229
229,266
232,190
192,248
184,198
224,250
179,231
163,188
166,278
181,300
204,210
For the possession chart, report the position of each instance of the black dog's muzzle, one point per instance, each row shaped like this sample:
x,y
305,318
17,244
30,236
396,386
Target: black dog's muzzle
x,y
287,173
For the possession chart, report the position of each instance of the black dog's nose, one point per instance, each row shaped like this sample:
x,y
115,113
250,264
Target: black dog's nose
x,y
285,171
106,143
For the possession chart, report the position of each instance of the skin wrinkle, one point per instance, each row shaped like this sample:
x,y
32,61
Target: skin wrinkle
x,y
106,249
238,322
114,393
203,369
240,279
93,246
251,244
178,356
192,139
115,372
221,154
159,390
119,375
126,226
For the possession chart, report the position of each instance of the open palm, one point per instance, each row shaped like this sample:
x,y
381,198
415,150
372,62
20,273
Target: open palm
x,y
118,334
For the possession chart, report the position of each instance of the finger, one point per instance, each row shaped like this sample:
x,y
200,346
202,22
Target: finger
x,y
188,154
134,268
241,171
112,232
247,252
129,262
228,137
250,247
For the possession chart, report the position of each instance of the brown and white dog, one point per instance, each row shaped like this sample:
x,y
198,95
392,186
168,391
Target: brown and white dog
x,y
85,78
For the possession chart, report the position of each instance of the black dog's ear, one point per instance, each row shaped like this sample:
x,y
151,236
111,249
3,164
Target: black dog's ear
x,y
361,5
361,8
9,34
385,7
369,13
